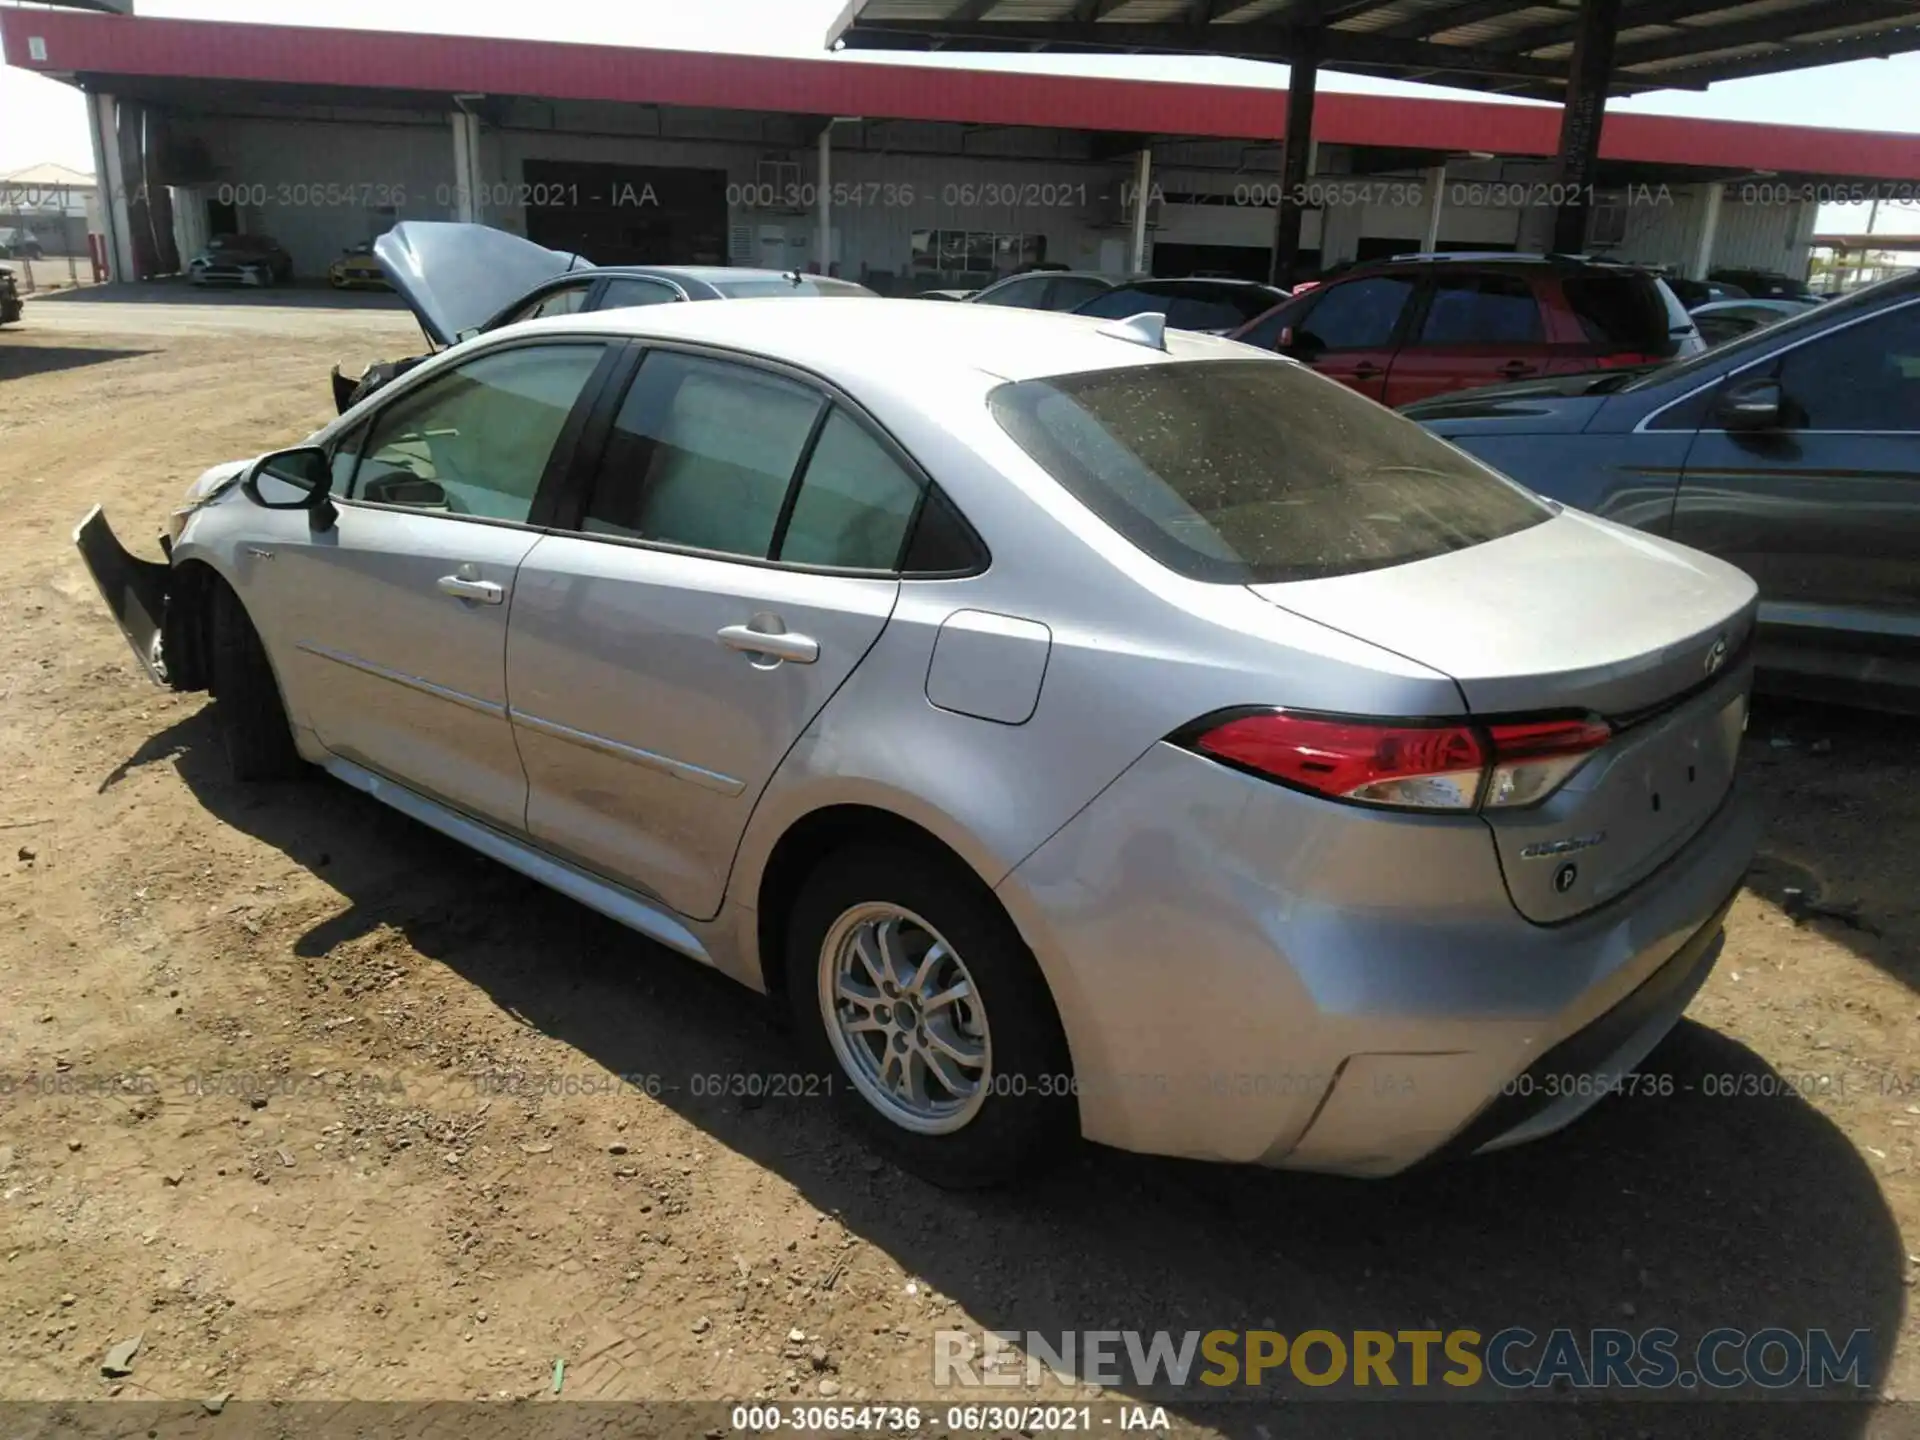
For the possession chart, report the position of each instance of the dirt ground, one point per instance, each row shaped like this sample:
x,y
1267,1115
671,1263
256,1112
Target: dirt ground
x,y
258,1049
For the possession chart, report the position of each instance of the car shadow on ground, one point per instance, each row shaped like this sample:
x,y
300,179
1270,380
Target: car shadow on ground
x,y
1836,778
174,290
17,360
1690,1207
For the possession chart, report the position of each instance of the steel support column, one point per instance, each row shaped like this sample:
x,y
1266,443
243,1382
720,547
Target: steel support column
x,y
103,116
1580,120
1142,189
1296,162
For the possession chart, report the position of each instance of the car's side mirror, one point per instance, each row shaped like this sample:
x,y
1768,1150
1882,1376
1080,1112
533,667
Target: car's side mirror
x,y
1752,405
296,479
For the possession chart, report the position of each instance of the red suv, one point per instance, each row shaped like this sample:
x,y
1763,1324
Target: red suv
x,y
1415,326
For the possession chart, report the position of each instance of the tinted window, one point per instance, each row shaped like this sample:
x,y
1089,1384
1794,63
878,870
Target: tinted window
x,y
701,454
619,294
1355,315
1244,471
476,441
564,301
1265,332
943,543
1026,294
854,502
1625,312
1187,307
1125,300
1071,290
1866,377
802,285
1488,309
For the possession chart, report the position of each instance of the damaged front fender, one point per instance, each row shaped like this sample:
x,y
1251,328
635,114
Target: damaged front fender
x,y
160,609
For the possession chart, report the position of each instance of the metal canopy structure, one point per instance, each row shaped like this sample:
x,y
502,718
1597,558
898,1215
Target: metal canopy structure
x,y
1577,52
1516,47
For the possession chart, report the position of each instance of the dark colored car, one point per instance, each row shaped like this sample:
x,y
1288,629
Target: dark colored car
x,y
1215,306
1405,329
9,296
241,260
1765,284
1793,452
1695,293
465,280
1044,290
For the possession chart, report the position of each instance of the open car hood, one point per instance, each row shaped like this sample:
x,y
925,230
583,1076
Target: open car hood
x,y
456,277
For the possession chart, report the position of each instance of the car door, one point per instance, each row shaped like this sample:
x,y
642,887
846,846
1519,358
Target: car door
x,y
391,624
1471,328
733,557
1823,509
1349,330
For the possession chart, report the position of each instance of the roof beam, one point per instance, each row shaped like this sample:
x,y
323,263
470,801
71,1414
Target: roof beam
x,y
1801,57
1434,22
1649,12
1762,30
1252,41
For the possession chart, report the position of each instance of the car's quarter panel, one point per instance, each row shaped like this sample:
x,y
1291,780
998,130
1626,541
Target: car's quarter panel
x,y
387,668
1244,951
647,738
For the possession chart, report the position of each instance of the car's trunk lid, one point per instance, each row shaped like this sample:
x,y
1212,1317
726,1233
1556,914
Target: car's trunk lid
x,y
456,277
1572,616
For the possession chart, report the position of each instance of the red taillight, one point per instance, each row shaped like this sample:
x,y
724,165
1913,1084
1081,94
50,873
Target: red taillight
x,y
1619,362
1385,762
1431,766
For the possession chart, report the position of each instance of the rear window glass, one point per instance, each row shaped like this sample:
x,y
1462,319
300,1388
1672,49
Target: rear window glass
x,y
1187,307
807,285
1257,471
1625,311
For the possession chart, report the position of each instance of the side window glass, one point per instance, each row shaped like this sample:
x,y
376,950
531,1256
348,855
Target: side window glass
x,y
346,455
1021,294
1358,315
476,441
1072,291
558,302
619,294
1866,377
854,502
701,454
1482,310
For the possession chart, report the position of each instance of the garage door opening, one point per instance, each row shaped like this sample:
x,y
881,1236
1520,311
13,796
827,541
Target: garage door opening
x,y
628,214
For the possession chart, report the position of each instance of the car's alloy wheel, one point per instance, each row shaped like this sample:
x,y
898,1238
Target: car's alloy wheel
x,y
925,1018
905,1019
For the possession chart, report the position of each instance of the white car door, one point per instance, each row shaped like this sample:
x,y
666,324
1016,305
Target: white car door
x,y
389,628
736,557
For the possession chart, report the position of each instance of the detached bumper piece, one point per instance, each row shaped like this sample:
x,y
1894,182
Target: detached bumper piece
x,y
135,590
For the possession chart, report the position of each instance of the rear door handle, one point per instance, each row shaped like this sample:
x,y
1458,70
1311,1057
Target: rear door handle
x,y
781,645
1366,370
466,587
1518,367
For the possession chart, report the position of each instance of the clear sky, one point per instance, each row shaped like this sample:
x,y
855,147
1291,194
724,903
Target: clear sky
x,y
42,120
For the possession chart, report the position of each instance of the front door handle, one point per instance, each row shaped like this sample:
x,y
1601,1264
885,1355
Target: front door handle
x,y
779,644
1366,370
466,587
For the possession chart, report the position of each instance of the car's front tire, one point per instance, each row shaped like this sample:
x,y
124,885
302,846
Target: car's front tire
x,y
917,1000
248,710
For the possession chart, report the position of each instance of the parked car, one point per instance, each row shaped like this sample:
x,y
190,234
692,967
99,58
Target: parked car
x,y
943,294
241,260
1401,330
10,308
20,244
357,269
1793,452
1211,306
1765,284
466,280
1078,728
1044,290
1695,293
1726,319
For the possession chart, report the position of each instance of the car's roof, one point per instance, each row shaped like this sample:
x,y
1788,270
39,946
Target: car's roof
x,y
887,339
1162,282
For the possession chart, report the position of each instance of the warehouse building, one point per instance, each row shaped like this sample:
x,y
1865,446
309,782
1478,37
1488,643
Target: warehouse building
x,y
909,178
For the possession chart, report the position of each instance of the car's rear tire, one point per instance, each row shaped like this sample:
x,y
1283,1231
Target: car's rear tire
x,y
953,979
247,708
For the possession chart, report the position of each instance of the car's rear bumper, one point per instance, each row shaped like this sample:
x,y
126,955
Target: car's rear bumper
x,y
1246,973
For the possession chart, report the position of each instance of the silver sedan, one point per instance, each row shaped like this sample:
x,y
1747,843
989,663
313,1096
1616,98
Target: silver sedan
x,y
1079,727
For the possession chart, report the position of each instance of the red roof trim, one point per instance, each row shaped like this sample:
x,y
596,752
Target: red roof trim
x,y
117,45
